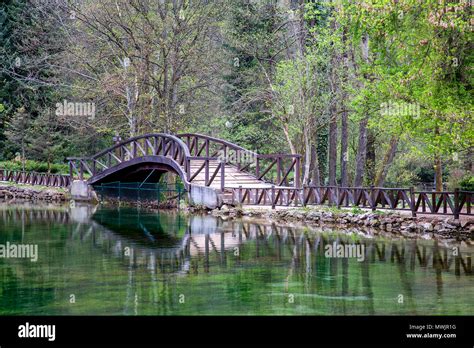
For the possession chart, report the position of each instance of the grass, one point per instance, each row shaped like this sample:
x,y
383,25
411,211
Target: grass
x,y
340,210
33,187
35,166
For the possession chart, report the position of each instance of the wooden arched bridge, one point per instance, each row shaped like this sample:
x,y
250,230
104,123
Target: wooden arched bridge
x,y
215,171
211,169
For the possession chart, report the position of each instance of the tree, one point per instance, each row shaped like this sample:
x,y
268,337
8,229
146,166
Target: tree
x,y
16,133
46,141
149,63
255,35
29,54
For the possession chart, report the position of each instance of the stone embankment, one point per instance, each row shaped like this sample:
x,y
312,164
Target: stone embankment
x,y
16,193
389,222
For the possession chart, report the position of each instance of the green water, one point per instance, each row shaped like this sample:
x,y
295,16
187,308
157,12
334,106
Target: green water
x,y
130,262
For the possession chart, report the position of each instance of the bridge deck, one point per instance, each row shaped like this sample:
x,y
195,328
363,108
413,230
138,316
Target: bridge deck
x,y
233,177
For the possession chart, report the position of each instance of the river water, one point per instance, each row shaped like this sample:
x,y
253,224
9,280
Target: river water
x,y
123,261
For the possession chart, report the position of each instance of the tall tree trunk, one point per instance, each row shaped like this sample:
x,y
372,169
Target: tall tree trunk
x,y
362,146
288,139
344,149
438,169
438,173
370,157
316,178
361,153
307,157
332,151
332,144
386,162
344,125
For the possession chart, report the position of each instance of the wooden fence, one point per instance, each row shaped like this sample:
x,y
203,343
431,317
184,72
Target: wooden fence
x,y
455,203
34,178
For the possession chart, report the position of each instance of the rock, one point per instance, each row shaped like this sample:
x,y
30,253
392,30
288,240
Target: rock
x,y
32,194
374,223
388,227
314,215
426,226
448,226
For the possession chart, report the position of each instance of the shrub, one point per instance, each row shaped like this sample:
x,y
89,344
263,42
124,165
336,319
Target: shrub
x,y
34,166
467,184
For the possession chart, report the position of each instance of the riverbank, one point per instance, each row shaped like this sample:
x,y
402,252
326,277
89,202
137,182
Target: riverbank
x,y
378,222
388,222
12,192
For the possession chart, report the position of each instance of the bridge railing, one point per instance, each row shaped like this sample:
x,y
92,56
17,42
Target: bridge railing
x,y
35,178
210,173
185,150
141,146
455,202
278,169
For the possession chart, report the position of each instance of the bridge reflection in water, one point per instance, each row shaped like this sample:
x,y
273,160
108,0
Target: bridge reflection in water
x,y
256,268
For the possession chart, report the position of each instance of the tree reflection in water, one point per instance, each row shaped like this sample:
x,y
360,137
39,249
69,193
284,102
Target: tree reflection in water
x,y
126,261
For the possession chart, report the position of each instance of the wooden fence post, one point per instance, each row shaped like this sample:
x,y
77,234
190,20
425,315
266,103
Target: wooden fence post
x,y
257,167
412,201
273,196
222,176
297,173
303,203
372,197
81,171
456,204
188,169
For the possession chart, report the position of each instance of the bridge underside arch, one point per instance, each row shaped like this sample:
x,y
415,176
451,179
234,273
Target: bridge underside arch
x,y
149,168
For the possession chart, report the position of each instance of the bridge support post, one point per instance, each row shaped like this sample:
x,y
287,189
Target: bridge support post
x,y
222,176
204,196
456,204
81,191
297,173
273,196
412,202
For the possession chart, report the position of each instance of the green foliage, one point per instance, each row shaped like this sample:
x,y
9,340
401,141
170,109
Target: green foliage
x,y
467,184
357,210
279,71
29,57
35,166
415,59
251,48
